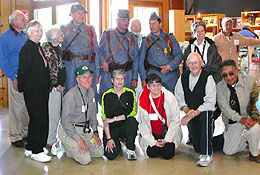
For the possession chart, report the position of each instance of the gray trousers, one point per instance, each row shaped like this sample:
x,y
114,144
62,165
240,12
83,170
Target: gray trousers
x,y
235,138
18,115
54,115
71,146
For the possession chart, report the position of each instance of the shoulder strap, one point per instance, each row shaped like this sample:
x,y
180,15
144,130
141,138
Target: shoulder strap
x,y
67,30
149,45
90,33
169,43
154,108
132,40
109,48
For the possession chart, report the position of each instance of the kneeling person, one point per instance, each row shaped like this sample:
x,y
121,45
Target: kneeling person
x,y
159,119
118,111
78,113
196,95
237,95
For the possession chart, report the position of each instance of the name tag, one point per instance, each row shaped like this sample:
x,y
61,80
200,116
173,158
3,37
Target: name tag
x,y
83,108
236,42
153,116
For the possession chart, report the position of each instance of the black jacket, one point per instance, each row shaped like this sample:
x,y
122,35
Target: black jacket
x,y
32,72
214,59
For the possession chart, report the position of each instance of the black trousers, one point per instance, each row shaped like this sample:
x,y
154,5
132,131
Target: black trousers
x,y
127,130
167,152
36,101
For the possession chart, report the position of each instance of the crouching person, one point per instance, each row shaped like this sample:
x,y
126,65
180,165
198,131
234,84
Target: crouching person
x,y
118,111
79,132
159,119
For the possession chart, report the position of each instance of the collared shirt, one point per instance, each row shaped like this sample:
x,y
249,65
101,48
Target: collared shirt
x,y
72,110
203,50
209,99
11,43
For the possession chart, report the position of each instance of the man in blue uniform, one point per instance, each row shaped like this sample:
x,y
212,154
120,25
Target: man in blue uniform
x,y
160,54
118,49
79,46
11,42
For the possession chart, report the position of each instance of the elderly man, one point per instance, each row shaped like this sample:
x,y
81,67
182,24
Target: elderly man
x,y
11,42
136,28
237,95
228,43
79,46
196,94
79,112
118,49
160,54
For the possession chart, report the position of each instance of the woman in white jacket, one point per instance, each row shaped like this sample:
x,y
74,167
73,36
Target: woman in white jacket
x,y
159,119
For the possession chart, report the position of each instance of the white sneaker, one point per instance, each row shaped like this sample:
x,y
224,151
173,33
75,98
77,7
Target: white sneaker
x,y
45,150
28,153
205,160
41,157
130,154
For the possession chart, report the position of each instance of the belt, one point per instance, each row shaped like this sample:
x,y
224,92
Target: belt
x,y
78,125
154,67
81,57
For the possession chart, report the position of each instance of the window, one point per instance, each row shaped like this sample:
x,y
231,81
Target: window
x,y
113,9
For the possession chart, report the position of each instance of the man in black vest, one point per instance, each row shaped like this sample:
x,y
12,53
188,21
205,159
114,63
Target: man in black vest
x,y
196,95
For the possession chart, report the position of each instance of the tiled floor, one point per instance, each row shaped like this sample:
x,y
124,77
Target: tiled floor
x,y
13,162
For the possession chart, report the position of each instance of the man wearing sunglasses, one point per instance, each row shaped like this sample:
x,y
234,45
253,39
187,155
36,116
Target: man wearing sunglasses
x,y
237,95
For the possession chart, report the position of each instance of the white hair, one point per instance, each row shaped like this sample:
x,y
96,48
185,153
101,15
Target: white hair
x,y
51,33
194,54
31,24
13,15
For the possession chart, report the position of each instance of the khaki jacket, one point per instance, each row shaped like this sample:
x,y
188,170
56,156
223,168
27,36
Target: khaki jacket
x,y
247,92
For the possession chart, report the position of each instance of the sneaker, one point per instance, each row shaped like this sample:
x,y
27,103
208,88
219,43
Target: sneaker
x,y
45,150
18,144
28,153
205,160
130,154
254,158
41,157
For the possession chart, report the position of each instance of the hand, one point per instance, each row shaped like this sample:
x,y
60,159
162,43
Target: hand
x,y
134,83
248,122
82,146
15,84
191,113
105,67
143,83
161,142
96,136
185,120
110,145
158,144
165,69
60,89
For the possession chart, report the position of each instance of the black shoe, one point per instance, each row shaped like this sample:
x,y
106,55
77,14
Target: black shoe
x,y
189,142
254,158
18,144
25,141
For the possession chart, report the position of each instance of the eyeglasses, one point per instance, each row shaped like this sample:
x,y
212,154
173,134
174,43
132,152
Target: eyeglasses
x,y
37,31
226,74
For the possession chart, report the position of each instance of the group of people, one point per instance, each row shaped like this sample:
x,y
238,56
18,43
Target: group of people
x,y
58,80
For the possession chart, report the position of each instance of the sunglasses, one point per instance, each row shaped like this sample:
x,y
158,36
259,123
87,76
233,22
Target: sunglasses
x,y
226,74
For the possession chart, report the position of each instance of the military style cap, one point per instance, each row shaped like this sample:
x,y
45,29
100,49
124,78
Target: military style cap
x,y
82,69
154,16
123,13
76,7
225,20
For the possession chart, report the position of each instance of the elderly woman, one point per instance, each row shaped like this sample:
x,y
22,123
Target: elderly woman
x,y
159,119
34,81
118,111
53,53
206,48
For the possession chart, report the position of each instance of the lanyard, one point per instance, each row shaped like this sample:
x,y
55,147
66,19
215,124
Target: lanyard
x,y
196,49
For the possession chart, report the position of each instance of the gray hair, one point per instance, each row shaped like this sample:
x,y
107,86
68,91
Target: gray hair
x,y
13,15
31,24
118,72
51,33
197,24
